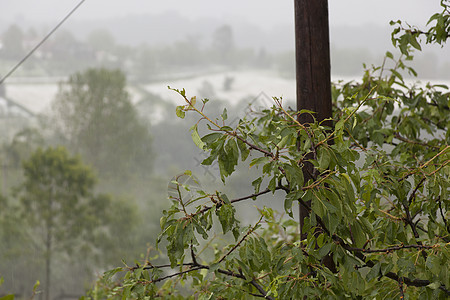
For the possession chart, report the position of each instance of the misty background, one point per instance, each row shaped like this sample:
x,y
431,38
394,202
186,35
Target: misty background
x,y
236,53
361,27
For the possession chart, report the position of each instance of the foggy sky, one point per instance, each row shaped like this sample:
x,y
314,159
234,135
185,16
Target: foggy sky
x,y
265,13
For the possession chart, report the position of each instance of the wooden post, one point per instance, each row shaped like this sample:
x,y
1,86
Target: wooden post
x,y
312,47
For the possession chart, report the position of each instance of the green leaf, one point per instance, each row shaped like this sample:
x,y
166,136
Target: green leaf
x,y
200,229
435,285
7,297
180,112
126,294
259,160
414,43
228,158
224,198
333,222
257,184
193,101
320,239
405,266
436,16
324,158
374,272
330,207
226,217
196,138
318,208
294,175
224,114
209,160
245,151
272,184
433,263
397,74
325,249
305,111
339,125
284,141
211,138
358,235
162,222
386,268
288,200
213,267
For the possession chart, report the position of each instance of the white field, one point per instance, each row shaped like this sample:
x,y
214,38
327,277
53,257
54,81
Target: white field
x,y
245,84
37,97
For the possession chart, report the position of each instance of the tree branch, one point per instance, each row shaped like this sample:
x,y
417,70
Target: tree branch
x,y
442,214
403,139
241,240
425,164
391,275
390,249
413,194
206,208
400,286
252,282
252,146
195,266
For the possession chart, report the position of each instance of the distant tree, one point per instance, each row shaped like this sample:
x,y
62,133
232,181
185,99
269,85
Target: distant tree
x,y
58,202
285,64
22,145
64,45
13,152
18,256
96,118
228,83
12,43
146,63
101,40
223,44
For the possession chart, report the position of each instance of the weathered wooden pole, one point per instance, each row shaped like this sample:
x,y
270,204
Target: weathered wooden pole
x,y
312,47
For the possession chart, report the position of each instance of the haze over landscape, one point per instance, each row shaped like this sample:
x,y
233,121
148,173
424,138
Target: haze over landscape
x,y
238,54
257,24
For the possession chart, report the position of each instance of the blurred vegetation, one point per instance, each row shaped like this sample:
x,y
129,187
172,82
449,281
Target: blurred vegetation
x,y
94,116
132,158
53,210
65,54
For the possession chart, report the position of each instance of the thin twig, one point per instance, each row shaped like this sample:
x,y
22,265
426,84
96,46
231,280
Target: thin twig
x,y
391,275
413,194
348,117
442,214
241,240
390,249
206,208
425,164
403,139
252,146
400,286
